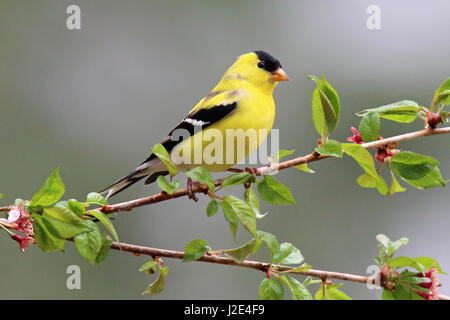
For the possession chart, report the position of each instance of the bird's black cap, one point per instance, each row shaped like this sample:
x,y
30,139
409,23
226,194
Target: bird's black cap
x,y
269,62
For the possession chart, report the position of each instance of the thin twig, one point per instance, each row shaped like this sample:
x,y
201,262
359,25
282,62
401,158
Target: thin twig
x,y
257,265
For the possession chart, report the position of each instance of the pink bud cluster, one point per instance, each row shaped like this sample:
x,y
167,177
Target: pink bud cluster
x,y
431,284
19,219
382,154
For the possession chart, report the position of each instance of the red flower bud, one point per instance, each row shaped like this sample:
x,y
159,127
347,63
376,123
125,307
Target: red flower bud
x,y
356,136
426,285
24,242
426,296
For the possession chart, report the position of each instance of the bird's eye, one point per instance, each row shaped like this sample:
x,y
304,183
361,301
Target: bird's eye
x,y
261,65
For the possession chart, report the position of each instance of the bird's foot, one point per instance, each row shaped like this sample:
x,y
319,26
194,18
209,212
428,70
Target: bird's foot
x,y
195,186
190,190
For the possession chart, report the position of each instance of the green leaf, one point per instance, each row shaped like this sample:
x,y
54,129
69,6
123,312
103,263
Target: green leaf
x,y
103,218
244,213
96,198
404,111
304,167
148,267
63,223
388,248
369,127
307,281
104,249
330,148
444,115
283,153
289,254
45,240
77,207
243,252
362,156
318,114
444,97
164,156
365,161
387,295
442,94
403,262
230,216
430,180
201,174
89,243
157,286
237,179
50,192
298,290
212,208
411,158
331,293
409,165
271,289
253,201
325,106
367,181
274,192
428,263
396,186
384,240
402,293
398,243
195,249
381,259
167,186
304,267
272,244
63,203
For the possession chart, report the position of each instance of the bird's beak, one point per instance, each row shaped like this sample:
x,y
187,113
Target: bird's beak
x,y
279,75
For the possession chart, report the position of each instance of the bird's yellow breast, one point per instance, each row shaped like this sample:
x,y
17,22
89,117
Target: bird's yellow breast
x,y
228,141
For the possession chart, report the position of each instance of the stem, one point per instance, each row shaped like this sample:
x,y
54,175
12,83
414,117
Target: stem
x,y
7,208
257,265
129,205
5,228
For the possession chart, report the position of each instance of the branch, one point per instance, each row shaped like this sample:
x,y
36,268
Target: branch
x,y
163,196
5,208
261,266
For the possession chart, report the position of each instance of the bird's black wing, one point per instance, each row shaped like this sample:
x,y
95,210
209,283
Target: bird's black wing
x,y
196,121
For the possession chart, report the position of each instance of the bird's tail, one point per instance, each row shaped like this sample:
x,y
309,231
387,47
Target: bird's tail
x,y
133,177
123,183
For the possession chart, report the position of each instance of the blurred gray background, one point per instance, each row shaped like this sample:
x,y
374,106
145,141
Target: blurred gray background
x,y
94,101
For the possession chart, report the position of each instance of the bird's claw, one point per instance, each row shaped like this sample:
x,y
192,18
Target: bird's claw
x,y
190,190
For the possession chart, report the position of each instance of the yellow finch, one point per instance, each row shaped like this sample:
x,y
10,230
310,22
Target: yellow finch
x,y
241,101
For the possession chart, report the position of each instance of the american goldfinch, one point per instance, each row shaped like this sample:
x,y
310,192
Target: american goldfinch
x,y
241,101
